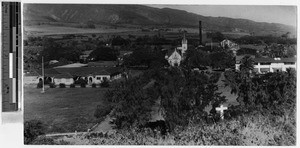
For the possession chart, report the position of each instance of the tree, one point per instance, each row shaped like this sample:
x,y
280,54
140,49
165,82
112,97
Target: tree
x,y
104,54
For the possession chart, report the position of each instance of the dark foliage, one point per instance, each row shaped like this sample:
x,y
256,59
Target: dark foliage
x,y
62,85
72,86
82,85
94,85
40,84
52,85
32,129
103,53
105,83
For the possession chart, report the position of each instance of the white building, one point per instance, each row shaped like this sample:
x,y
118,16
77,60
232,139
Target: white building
x,y
64,78
174,58
184,46
264,65
31,78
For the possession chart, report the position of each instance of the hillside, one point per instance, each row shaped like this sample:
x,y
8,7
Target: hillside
x,y
143,16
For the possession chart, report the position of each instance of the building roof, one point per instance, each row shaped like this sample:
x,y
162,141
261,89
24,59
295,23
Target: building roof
x,y
32,73
102,64
50,72
64,75
85,71
170,52
274,60
71,65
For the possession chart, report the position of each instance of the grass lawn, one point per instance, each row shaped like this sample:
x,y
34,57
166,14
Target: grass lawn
x,y
63,109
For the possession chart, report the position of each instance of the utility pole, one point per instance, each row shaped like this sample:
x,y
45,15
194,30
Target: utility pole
x,y
43,75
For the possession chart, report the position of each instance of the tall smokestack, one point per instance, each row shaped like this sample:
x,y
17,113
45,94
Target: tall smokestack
x,y
200,33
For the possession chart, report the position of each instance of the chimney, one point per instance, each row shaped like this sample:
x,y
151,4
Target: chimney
x,y
200,33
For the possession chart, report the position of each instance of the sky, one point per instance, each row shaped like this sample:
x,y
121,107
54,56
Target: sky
x,y
261,13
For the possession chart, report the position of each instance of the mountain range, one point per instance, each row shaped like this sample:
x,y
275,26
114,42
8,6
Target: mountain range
x,y
112,14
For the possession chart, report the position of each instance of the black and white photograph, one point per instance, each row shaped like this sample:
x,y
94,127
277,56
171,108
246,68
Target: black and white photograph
x,y
159,74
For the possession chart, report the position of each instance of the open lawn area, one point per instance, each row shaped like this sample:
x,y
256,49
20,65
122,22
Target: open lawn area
x,y
63,109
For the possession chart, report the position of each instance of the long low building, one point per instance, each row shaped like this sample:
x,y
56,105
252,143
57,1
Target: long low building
x,y
265,65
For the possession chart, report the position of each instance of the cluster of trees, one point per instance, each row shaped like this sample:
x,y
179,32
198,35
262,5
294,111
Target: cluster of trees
x,y
54,50
218,60
273,93
146,56
184,95
104,53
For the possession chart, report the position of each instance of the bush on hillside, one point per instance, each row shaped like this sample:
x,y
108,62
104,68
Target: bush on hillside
x,y
39,85
72,86
62,85
48,141
52,85
94,85
105,83
32,129
82,85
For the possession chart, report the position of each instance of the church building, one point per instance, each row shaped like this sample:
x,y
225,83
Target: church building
x,y
175,56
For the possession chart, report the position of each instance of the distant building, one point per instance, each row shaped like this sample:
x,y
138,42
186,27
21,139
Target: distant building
x,y
174,57
227,44
184,45
53,62
265,65
64,78
31,78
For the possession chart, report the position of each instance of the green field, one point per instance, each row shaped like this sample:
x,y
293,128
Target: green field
x,y
63,109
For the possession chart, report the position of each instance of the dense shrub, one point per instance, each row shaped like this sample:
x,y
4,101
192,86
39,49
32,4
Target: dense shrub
x,y
48,141
105,83
39,85
32,129
102,110
82,85
52,85
94,85
62,85
72,86
248,130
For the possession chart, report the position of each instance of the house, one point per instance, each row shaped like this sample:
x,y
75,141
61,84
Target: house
x,y
265,65
227,44
174,57
93,74
31,78
64,78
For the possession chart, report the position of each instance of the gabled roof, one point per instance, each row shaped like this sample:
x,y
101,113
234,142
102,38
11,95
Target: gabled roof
x,y
85,71
170,52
